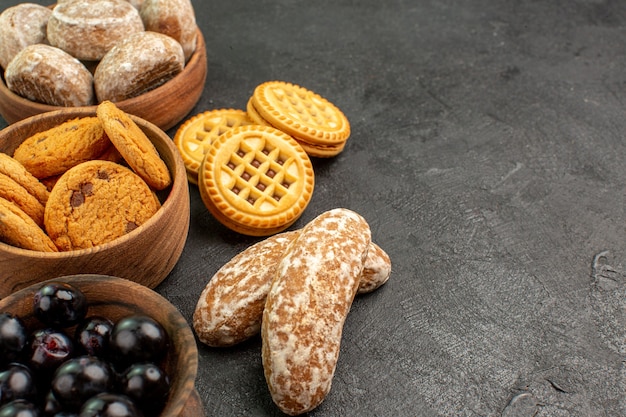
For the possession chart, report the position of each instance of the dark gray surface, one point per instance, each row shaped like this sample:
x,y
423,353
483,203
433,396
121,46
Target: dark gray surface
x,y
487,153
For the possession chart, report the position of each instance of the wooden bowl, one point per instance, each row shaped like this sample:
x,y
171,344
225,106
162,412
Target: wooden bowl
x,y
164,106
146,255
115,298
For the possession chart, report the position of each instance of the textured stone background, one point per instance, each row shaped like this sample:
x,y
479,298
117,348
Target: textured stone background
x,y
487,153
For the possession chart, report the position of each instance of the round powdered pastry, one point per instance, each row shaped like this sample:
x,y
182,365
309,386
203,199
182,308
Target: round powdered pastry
x,y
96,202
175,18
87,29
318,125
141,62
19,230
136,3
133,144
256,180
21,25
196,135
54,151
48,75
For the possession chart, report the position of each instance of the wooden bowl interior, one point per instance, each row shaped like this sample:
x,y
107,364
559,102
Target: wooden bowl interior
x,y
115,298
164,106
145,255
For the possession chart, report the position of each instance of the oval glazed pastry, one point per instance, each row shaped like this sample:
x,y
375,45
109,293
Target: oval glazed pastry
x,y
230,308
306,308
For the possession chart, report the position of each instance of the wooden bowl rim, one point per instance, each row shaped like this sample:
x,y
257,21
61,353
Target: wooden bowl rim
x,y
179,179
186,385
198,58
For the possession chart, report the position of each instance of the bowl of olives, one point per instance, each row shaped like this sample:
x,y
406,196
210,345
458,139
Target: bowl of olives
x,y
95,346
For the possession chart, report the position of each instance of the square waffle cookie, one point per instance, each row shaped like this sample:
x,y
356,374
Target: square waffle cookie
x,y
314,122
196,135
256,180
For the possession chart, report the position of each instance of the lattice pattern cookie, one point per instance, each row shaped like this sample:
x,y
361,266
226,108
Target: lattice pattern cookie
x,y
256,180
194,137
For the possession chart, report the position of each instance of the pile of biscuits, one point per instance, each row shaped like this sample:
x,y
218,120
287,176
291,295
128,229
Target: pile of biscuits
x,y
295,289
83,52
80,184
253,166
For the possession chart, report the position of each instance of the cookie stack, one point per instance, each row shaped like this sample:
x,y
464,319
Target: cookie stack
x,y
317,124
252,167
80,184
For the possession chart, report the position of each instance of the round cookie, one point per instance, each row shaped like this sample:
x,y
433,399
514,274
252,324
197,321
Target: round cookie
x,y
21,25
19,230
12,168
87,29
18,195
256,180
254,115
139,63
175,18
54,151
317,124
134,146
49,75
96,202
194,137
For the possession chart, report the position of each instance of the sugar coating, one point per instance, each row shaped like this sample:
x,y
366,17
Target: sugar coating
x,y
230,307
21,25
175,18
87,29
139,63
307,305
49,75
376,270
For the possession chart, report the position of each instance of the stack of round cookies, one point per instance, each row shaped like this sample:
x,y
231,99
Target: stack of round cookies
x,y
252,167
317,124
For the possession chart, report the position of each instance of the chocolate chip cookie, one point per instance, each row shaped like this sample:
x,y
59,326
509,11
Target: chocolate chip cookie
x,y
97,202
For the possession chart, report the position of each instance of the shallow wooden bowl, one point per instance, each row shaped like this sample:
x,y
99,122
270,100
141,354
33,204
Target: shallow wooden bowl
x,y
115,298
146,255
164,106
